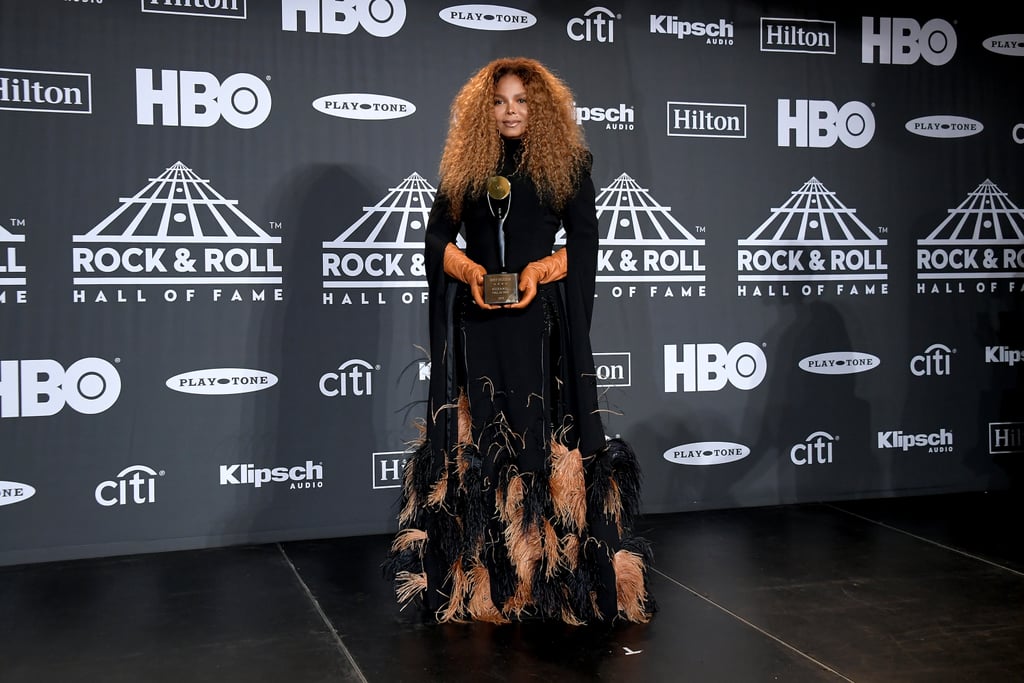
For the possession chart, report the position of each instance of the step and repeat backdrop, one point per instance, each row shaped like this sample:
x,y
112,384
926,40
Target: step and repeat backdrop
x,y
212,305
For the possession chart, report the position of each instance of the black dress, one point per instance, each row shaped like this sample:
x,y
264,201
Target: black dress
x,y
514,504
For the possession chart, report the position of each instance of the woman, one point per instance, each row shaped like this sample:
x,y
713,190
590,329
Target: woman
x,y
514,505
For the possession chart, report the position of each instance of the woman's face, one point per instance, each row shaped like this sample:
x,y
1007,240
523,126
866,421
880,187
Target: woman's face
x,y
510,110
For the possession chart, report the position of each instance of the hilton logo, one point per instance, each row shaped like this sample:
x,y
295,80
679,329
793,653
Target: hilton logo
x,y
1005,437
387,469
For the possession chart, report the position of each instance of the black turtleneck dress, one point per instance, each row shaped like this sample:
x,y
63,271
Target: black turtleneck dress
x,y
514,504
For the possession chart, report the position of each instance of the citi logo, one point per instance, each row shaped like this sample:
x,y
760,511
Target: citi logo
x,y
12,492
1008,44
706,453
816,448
798,35
39,388
937,442
57,92
342,17
388,468
1003,355
935,361
944,126
197,99
487,17
596,25
220,381
352,378
614,118
364,106
707,120
901,40
820,123
710,367
217,9
613,369
718,33
306,476
1003,437
839,363
135,485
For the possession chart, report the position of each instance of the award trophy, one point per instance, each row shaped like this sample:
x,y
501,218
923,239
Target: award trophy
x,y
500,288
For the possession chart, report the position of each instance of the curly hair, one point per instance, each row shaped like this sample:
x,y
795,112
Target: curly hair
x,y
553,147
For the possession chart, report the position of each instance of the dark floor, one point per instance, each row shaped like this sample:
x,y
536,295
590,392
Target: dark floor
x,y
910,589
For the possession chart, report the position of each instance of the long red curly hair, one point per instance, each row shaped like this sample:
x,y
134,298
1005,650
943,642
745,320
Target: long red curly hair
x,y
553,147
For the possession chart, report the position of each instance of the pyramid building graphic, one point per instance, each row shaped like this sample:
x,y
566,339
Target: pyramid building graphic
x,y
986,216
398,220
177,206
6,236
812,214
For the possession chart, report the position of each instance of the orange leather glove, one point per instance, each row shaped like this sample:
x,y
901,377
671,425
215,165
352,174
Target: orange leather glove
x,y
540,272
465,269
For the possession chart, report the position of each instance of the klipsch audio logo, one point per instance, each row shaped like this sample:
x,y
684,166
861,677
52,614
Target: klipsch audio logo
x,y
364,106
12,492
1003,355
220,381
56,92
820,124
382,251
935,442
839,363
944,126
13,275
613,369
936,361
815,449
812,245
42,387
135,485
977,247
710,367
198,99
613,118
1003,437
487,17
716,33
706,453
1011,44
216,9
309,475
707,120
388,467
901,40
596,25
798,35
352,378
181,235
644,250
380,18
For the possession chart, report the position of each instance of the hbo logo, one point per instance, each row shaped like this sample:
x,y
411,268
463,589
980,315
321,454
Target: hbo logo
x,y
381,18
197,99
819,123
36,388
709,367
903,41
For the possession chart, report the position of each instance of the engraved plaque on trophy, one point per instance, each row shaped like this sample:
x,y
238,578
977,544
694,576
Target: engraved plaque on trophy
x,y
501,288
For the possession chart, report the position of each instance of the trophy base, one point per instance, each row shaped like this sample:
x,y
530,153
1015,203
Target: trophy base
x,y
501,289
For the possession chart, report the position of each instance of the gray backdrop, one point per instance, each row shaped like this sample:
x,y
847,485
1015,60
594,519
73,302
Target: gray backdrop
x,y
211,223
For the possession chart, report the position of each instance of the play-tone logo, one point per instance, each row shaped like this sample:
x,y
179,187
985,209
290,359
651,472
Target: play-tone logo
x,y
388,467
839,363
197,99
135,485
812,245
380,18
821,124
12,492
221,381
976,248
944,126
717,33
1011,44
13,273
352,378
382,251
55,92
644,251
596,25
935,442
214,9
180,234
798,35
710,367
1003,437
816,449
936,361
707,120
42,387
901,40
706,453
487,17
364,106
